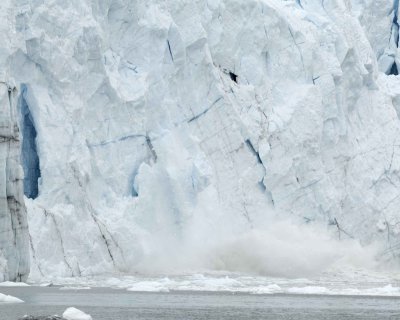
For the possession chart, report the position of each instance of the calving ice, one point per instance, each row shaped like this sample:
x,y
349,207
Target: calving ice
x,y
168,137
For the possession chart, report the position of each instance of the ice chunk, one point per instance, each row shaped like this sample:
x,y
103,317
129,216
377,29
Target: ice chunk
x,y
149,286
9,299
308,290
13,284
75,314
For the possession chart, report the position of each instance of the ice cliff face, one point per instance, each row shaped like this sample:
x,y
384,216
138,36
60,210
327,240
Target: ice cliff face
x,y
159,128
14,250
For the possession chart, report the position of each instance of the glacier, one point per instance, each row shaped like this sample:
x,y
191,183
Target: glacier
x,y
173,135
14,243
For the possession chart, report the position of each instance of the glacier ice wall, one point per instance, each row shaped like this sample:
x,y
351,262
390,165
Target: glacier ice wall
x,y
14,243
163,127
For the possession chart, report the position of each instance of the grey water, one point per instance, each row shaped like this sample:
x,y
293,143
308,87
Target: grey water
x,y
117,304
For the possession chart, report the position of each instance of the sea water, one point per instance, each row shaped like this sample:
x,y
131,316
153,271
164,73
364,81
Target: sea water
x,y
119,304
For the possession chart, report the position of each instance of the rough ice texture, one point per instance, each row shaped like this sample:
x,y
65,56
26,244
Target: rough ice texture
x,y
14,245
161,127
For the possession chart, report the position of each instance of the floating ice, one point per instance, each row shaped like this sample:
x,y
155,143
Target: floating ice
x,y
355,282
75,314
149,286
75,288
13,284
308,290
9,299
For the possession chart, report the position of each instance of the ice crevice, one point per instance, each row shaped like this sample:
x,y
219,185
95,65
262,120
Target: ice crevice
x,y
205,111
30,158
388,60
261,183
107,238
340,230
59,236
299,3
233,76
298,49
170,51
386,174
33,254
394,37
151,148
254,151
108,142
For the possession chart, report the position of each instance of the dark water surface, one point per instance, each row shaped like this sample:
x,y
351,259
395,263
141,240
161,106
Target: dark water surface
x,y
113,304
